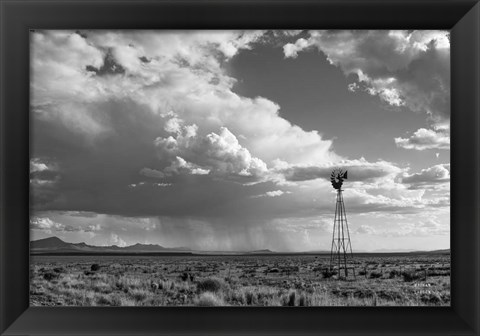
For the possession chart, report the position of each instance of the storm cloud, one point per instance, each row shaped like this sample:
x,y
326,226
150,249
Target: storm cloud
x,y
145,129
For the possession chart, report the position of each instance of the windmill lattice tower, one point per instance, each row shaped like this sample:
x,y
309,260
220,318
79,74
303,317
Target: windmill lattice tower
x,y
341,253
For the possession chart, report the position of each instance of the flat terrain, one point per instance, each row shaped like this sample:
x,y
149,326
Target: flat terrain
x,y
247,280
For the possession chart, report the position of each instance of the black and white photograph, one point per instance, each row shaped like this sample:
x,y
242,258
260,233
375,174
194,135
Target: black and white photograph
x,y
240,168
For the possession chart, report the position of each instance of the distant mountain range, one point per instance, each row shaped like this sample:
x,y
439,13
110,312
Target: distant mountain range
x,y
55,245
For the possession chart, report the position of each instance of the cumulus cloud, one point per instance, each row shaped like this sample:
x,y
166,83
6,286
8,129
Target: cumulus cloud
x,y
45,224
273,193
65,55
358,170
365,229
50,226
394,202
176,59
162,184
36,165
403,226
292,49
44,178
115,239
93,227
183,73
427,227
135,185
43,171
429,177
422,139
218,153
180,166
120,113
149,184
152,173
403,68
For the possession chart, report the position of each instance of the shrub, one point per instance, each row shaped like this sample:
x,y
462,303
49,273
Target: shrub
x,y
104,300
431,298
375,275
94,267
209,300
49,276
438,273
410,276
58,269
210,285
327,273
394,273
362,272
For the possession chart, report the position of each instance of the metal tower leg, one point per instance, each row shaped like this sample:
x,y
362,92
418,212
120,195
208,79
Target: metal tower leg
x,y
341,244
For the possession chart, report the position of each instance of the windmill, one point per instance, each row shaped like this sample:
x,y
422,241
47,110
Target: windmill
x,y
341,251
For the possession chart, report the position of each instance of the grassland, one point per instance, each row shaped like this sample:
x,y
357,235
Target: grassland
x,y
273,280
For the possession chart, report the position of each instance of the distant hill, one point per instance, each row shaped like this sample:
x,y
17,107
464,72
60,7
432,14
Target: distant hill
x,y
445,251
55,245
265,251
50,243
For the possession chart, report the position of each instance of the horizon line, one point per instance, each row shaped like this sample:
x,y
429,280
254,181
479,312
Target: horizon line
x,y
255,250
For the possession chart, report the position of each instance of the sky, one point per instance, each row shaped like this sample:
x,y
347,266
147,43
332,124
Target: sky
x,y
225,140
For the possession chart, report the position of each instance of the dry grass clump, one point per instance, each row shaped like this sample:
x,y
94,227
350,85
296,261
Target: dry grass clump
x,y
254,296
211,285
101,287
209,299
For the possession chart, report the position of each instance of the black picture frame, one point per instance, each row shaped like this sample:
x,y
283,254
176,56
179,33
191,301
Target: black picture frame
x,y
17,17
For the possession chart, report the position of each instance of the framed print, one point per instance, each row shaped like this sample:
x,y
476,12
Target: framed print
x,y
224,201
249,168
